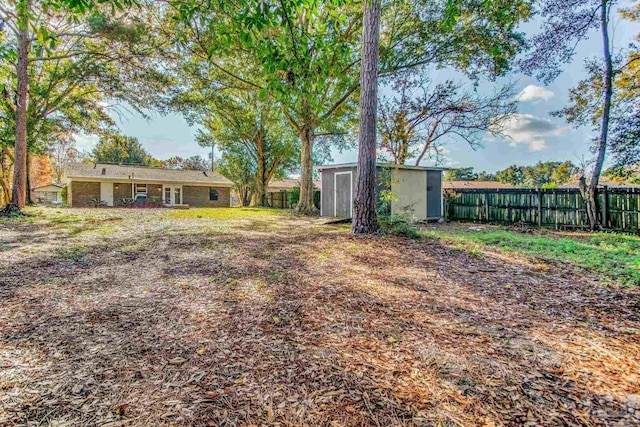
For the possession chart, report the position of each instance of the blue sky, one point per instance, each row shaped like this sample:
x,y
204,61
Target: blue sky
x,y
535,135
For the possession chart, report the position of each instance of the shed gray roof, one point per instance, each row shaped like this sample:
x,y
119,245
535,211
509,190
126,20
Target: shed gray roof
x,y
353,165
101,171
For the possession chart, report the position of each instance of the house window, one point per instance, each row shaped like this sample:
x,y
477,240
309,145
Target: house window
x,y
141,188
213,194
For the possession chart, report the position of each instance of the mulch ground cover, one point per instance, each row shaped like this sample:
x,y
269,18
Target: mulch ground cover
x,y
132,318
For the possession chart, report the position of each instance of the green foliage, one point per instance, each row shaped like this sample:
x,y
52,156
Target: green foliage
x,y
385,195
194,163
399,225
122,150
238,166
512,175
460,174
64,193
293,196
630,174
306,55
542,174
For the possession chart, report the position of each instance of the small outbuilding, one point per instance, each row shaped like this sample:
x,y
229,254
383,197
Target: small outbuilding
x,y
48,194
410,190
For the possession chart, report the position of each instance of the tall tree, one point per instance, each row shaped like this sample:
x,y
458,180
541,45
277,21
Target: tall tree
x,y
305,58
63,152
193,163
239,167
38,30
460,174
122,150
231,113
21,28
566,24
418,116
365,217
40,171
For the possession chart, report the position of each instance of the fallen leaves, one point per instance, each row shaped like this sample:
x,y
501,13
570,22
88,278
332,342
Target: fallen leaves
x,y
349,332
177,361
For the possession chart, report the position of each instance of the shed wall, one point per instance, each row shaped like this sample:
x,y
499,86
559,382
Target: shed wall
x,y
410,189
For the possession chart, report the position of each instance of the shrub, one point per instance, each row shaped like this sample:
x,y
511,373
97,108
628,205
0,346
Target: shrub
x,y
97,203
64,193
399,225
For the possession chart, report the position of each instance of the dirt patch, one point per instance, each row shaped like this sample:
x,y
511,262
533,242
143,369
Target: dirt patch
x,y
195,321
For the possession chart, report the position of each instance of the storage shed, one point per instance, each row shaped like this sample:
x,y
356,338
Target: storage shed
x,y
416,190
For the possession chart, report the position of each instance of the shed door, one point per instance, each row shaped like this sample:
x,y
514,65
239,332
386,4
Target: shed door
x,y
342,196
434,194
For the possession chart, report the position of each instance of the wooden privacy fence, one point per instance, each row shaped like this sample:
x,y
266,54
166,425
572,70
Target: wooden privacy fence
x,y
556,208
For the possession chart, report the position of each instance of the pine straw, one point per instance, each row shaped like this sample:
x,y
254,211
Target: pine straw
x,y
128,318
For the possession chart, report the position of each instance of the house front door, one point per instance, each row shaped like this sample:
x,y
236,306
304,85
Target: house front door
x,y
172,195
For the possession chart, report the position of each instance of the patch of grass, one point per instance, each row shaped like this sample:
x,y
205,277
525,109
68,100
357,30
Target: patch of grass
x,y
74,253
224,214
615,256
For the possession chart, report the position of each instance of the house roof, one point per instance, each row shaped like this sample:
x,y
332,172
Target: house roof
x,y
288,184
352,165
48,185
449,185
101,171
609,184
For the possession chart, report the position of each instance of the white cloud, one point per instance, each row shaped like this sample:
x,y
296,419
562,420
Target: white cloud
x,y
525,129
533,92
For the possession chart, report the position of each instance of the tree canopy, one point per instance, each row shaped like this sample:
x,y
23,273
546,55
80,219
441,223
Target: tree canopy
x,y
122,150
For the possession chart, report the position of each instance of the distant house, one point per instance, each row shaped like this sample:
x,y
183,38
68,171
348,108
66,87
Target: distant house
x,y
121,184
417,190
471,185
47,194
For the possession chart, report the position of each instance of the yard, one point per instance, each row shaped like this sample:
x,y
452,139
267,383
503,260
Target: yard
x,y
254,317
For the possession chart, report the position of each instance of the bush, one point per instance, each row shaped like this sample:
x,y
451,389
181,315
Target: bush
x,y
399,225
64,193
97,203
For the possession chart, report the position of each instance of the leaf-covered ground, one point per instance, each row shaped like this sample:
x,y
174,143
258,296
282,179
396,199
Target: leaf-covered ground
x,y
154,317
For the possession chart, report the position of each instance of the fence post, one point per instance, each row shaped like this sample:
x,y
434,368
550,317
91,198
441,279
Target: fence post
x,y
486,206
555,203
605,207
539,207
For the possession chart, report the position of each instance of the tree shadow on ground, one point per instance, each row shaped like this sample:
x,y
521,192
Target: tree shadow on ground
x,y
309,327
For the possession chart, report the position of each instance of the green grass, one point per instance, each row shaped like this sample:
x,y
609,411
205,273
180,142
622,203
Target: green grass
x,y
614,256
226,213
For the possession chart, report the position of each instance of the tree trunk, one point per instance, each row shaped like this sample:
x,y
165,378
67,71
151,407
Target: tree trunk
x,y
259,197
590,191
18,198
365,218
6,160
305,204
28,200
403,152
243,196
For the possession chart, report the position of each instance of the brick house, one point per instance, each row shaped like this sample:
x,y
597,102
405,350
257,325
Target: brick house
x,y
116,185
